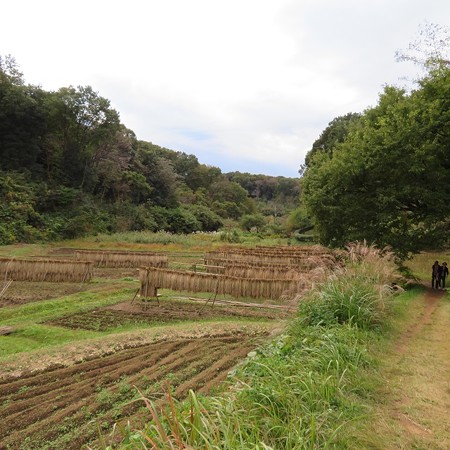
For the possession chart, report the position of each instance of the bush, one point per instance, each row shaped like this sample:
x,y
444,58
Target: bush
x,y
129,217
343,300
181,220
86,220
7,235
249,222
231,236
208,219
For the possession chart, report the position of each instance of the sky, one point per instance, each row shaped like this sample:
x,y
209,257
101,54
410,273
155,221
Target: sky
x,y
245,85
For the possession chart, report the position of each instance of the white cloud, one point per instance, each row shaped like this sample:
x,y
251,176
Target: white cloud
x,y
244,84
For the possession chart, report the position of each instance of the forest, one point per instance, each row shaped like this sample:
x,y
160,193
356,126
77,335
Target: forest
x,y
69,168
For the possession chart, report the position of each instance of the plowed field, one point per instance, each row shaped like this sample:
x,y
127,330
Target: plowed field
x,y
20,293
152,312
64,408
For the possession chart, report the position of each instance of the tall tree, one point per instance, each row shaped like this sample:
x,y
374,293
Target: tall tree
x,y
431,49
22,120
334,134
389,180
86,125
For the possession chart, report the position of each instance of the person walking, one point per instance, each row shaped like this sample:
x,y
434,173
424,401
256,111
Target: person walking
x,y
435,269
444,274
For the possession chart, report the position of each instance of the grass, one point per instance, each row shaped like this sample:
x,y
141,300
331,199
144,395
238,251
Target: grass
x,y
420,264
20,250
168,241
30,334
51,309
40,336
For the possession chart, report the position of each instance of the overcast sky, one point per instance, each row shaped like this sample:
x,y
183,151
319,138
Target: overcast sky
x,y
244,85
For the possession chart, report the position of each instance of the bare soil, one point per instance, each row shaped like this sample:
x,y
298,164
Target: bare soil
x,y
152,312
20,293
415,414
63,407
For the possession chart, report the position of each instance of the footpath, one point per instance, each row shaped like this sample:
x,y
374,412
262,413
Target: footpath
x,y
416,409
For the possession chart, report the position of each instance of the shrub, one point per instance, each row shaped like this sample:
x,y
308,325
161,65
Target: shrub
x,y
181,220
252,221
343,300
209,220
231,236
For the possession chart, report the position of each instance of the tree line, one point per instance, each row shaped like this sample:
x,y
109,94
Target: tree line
x,y
384,175
69,167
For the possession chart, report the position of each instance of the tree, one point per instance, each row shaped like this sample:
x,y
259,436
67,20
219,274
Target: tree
x,y
159,173
9,69
208,219
334,133
431,50
230,199
202,176
22,120
85,126
389,181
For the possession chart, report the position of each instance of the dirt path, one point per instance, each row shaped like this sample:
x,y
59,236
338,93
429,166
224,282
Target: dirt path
x,y
416,413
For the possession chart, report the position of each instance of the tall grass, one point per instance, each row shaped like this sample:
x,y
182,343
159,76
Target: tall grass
x,y
160,237
304,390
164,238
420,264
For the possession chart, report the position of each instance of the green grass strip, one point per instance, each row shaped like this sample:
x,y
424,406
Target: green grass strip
x,y
51,309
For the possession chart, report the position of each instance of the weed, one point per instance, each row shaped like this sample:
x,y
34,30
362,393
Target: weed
x,y
124,387
105,398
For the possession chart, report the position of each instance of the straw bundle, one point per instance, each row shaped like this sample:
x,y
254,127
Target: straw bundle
x,y
213,258
111,258
53,270
152,278
286,251
221,262
247,271
299,257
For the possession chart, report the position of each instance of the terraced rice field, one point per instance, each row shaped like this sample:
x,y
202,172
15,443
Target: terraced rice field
x,y
66,401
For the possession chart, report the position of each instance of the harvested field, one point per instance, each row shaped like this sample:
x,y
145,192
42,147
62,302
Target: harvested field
x,y
114,273
64,407
150,313
19,293
59,396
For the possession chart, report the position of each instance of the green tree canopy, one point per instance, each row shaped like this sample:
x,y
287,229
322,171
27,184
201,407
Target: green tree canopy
x,y
388,181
